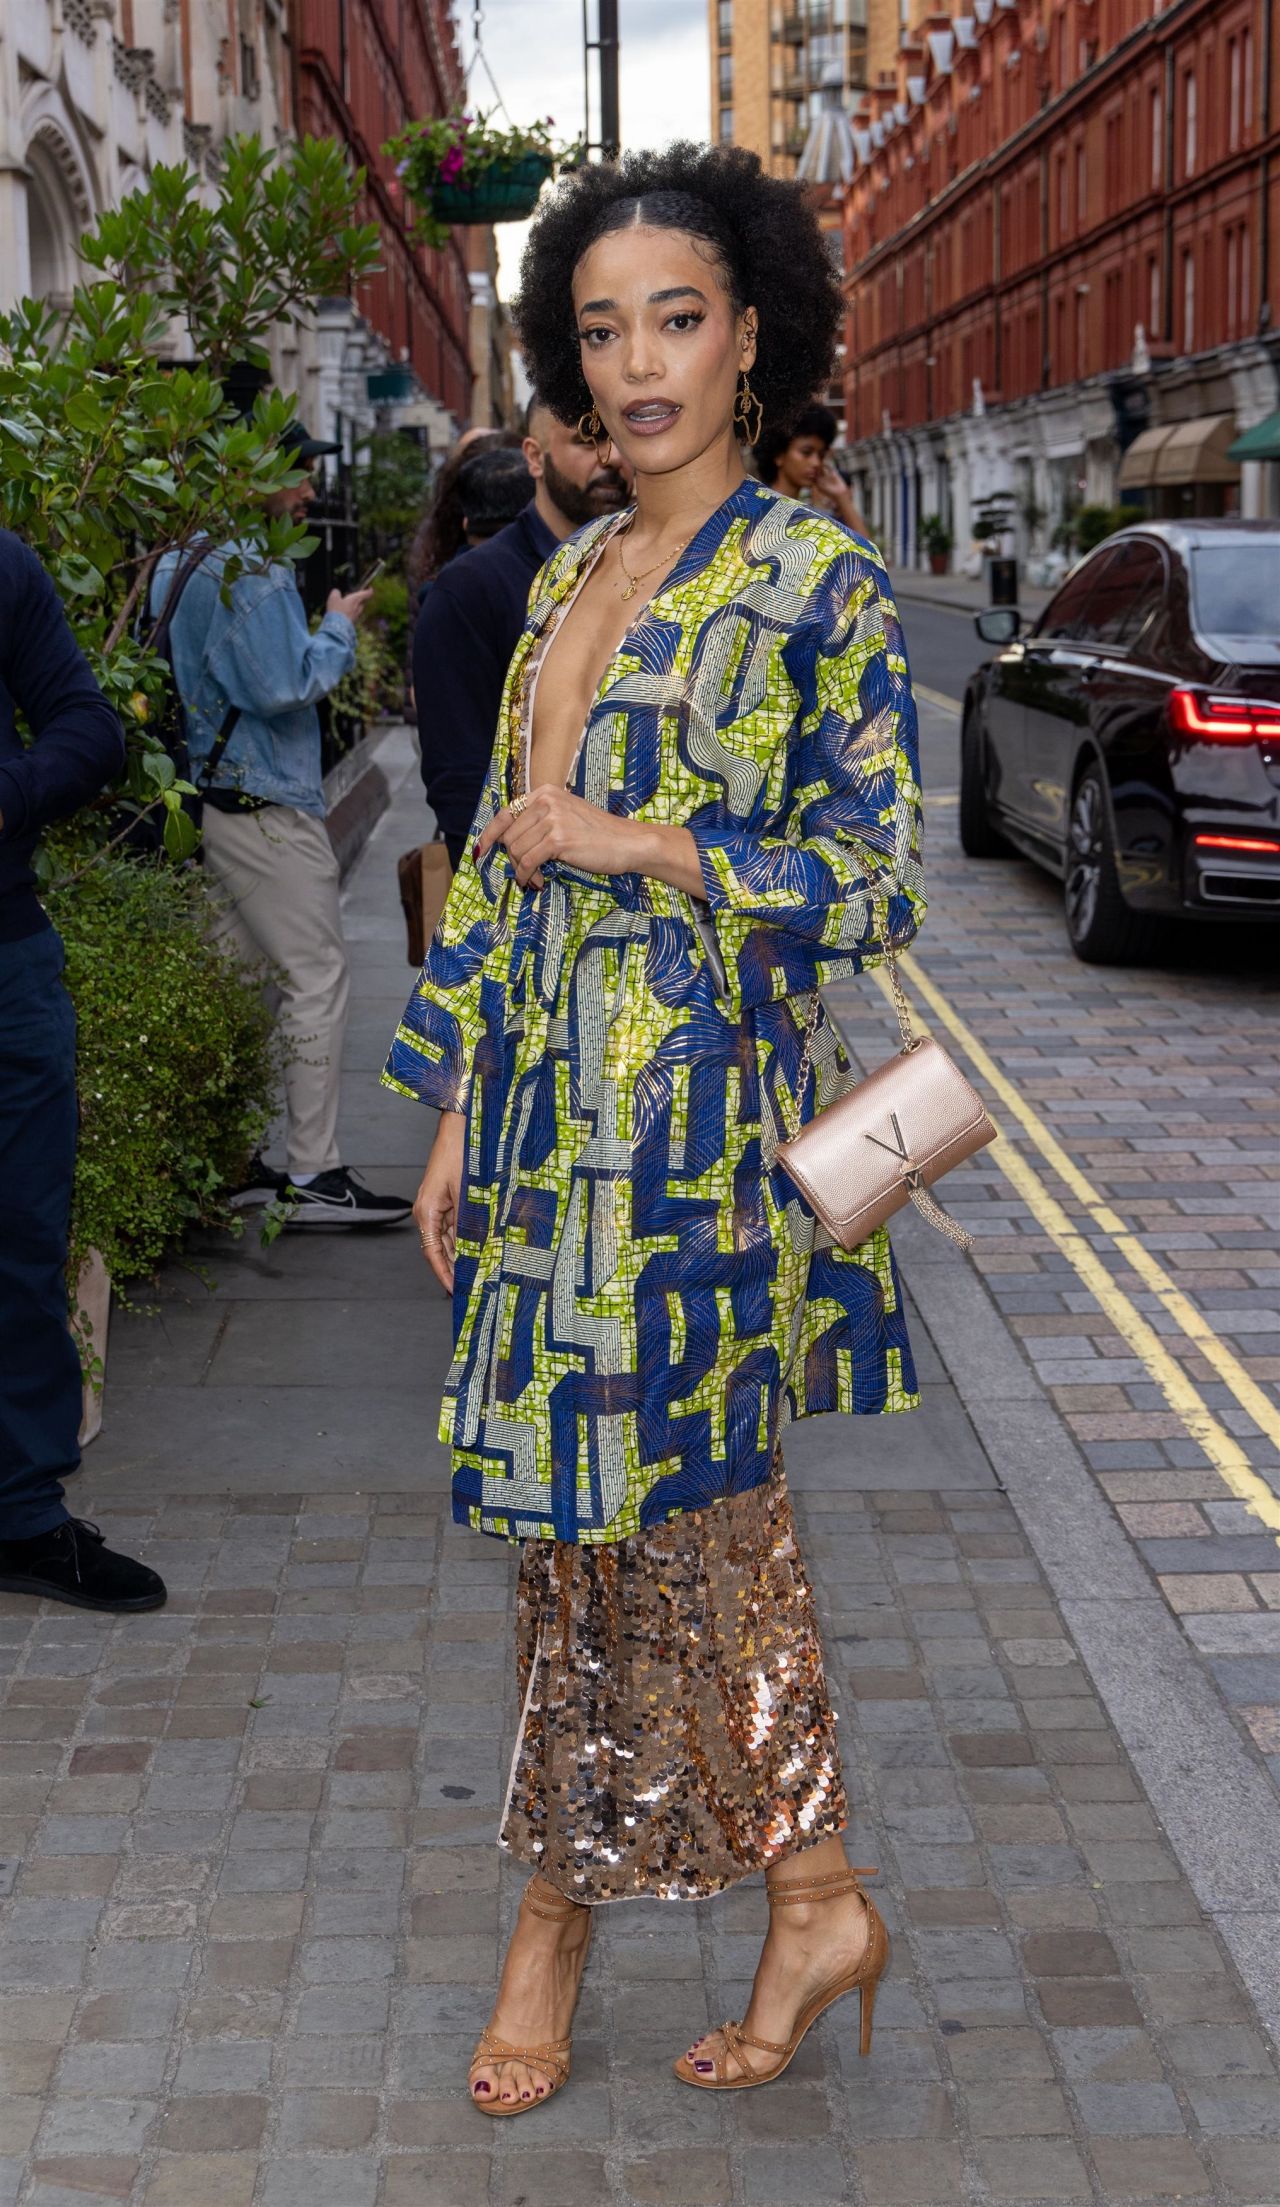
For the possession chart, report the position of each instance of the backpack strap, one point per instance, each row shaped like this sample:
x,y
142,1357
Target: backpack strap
x,y
159,641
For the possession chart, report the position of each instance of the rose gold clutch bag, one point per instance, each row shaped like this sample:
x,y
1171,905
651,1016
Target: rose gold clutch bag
x,y
885,1142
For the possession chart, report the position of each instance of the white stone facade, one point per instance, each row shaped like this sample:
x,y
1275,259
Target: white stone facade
x,y
1046,454
94,93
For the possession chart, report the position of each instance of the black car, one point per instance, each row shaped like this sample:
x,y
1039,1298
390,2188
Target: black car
x,y
1130,740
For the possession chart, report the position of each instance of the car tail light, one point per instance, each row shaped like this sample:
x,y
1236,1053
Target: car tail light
x,y
1219,719
1238,843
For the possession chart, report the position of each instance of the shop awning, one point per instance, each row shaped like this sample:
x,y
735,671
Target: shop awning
x,y
1138,464
1262,442
1197,452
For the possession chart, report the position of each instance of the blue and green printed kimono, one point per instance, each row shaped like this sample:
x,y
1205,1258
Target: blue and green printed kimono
x,y
639,1304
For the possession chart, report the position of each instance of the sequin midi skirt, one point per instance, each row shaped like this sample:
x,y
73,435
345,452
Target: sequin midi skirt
x,y
676,1732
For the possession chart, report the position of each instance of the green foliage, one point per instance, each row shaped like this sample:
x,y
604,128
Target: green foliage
x,y
390,481
176,1064
110,456
935,536
375,684
279,235
1092,523
389,610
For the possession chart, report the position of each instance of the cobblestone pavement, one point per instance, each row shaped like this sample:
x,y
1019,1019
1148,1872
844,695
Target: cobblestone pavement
x,y
257,1908
254,1907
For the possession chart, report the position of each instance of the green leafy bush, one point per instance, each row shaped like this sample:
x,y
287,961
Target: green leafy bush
x,y
177,1068
110,455
1093,523
389,608
374,686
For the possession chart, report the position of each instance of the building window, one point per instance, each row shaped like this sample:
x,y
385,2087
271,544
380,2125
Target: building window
x,y
1233,94
1189,122
726,76
1116,164
1157,133
1153,296
1082,186
724,22
1188,301
1233,278
1062,195
1082,333
726,126
1246,84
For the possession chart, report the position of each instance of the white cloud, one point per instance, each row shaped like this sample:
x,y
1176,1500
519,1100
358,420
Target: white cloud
x,y
534,48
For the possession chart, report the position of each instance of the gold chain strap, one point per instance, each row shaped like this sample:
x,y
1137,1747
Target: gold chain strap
x,y
900,1005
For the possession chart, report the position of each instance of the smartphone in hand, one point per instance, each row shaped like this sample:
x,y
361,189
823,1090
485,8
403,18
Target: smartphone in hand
x,y
367,580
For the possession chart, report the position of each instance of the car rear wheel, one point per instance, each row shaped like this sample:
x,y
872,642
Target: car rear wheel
x,y
978,838
1103,930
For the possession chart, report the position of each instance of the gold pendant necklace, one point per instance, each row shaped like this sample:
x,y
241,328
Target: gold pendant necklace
x,y
634,581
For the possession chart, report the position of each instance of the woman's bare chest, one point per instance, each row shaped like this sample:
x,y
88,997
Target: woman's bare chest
x,y
574,661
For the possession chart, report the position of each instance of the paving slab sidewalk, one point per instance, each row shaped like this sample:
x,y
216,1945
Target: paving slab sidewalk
x,y
254,1907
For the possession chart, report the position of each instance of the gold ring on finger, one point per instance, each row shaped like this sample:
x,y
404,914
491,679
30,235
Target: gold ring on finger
x,y
517,805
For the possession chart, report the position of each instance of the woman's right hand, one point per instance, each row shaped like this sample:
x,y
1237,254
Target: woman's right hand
x,y
435,1209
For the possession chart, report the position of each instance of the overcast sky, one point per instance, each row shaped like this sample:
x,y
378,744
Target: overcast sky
x,y
534,48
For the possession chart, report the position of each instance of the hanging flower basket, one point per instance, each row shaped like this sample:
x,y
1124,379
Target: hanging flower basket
x,y
506,192
458,170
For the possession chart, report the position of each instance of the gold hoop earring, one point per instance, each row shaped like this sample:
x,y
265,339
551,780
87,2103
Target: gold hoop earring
x,y
748,413
592,431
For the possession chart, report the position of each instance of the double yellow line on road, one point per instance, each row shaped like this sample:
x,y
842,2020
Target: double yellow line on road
x,y
1228,1456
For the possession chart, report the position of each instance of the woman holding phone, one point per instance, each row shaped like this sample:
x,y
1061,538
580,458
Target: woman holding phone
x,y
707,730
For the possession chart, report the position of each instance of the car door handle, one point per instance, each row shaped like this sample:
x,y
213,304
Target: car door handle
x,y
1089,674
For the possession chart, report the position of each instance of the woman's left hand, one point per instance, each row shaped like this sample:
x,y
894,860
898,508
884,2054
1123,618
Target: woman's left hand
x,y
556,824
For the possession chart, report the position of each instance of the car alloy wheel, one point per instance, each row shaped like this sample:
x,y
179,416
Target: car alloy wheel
x,y
1103,929
1084,858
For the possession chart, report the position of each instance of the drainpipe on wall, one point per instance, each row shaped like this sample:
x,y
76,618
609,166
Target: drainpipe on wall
x,y
1170,89
1265,316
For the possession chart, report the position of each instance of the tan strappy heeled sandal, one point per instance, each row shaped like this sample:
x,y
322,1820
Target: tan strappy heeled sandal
x,y
552,2059
864,1980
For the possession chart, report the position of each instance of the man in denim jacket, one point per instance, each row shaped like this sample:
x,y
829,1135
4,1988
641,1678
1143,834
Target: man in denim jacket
x,y
266,848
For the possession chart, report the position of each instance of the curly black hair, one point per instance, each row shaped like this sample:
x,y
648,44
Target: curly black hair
x,y
813,421
769,250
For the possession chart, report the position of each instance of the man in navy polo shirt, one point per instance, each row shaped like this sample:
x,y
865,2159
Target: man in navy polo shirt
x,y
76,748
473,613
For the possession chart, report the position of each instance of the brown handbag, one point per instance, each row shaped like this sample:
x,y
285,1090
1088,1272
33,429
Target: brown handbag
x,y
884,1142
425,877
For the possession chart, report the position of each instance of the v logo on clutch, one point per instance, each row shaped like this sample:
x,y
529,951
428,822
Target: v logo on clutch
x,y
901,1152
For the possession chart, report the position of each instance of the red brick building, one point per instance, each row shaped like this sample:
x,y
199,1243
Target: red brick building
x,y
363,69
1062,237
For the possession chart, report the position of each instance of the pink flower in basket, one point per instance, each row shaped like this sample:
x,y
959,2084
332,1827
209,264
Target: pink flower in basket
x,y
451,165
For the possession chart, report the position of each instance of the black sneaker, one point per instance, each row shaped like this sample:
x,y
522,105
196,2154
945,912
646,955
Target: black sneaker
x,y
72,1563
260,1186
338,1198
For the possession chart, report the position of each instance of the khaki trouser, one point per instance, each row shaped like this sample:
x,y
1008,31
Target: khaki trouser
x,y
275,877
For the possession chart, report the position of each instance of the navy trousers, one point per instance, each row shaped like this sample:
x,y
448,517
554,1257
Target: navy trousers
x,y
39,1366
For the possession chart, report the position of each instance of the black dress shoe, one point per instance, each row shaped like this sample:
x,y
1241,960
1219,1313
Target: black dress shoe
x,y
73,1563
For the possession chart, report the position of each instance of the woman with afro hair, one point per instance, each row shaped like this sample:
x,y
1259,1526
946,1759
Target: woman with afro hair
x,y
702,803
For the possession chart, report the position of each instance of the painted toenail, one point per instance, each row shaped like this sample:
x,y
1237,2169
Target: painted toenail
x,y
482,2088
703,2068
